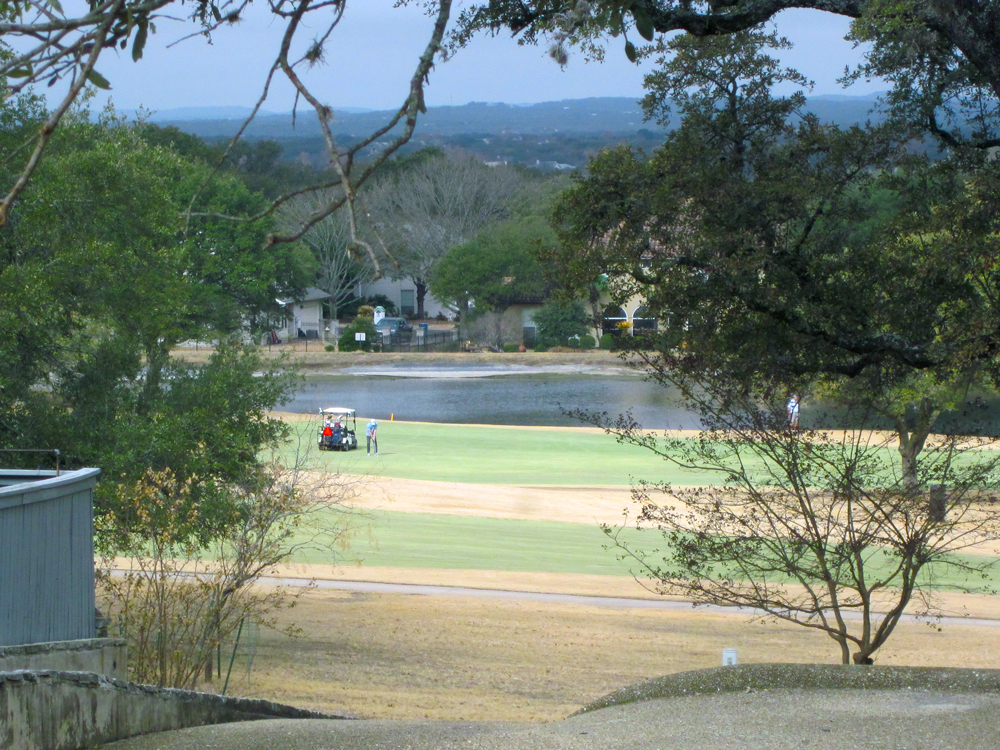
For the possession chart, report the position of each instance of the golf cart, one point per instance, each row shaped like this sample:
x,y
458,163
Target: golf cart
x,y
339,429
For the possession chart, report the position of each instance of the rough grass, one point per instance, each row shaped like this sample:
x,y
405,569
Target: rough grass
x,y
396,656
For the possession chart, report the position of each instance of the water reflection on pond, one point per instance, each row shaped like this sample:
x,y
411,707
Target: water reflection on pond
x,y
507,399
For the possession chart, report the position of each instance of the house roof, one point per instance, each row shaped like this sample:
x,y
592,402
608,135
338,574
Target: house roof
x,y
312,294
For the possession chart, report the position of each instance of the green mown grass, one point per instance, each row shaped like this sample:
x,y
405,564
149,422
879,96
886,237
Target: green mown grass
x,y
509,455
427,540
496,455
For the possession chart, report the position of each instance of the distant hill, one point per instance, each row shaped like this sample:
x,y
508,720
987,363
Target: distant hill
x,y
199,114
566,132
570,116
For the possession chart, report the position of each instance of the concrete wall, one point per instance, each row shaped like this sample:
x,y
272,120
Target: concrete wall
x,y
393,289
50,710
107,656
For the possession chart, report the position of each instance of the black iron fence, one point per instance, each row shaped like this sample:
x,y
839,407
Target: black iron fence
x,y
420,341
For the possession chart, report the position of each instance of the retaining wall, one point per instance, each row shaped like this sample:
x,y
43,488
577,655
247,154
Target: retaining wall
x,y
52,710
107,656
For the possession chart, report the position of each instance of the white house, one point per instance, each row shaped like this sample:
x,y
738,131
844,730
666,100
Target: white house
x,y
303,316
403,293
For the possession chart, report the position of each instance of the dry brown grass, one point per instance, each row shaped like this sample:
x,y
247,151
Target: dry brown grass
x,y
447,657
450,657
313,360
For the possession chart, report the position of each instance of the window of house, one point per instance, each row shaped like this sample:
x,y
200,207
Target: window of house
x,y
407,302
614,321
643,320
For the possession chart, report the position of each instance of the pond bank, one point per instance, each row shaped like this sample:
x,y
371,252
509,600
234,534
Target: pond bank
x,y
311,359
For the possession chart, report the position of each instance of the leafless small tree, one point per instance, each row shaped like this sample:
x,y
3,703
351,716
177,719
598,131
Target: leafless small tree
x,y
819,528
174,595
438,204
494,330
341,265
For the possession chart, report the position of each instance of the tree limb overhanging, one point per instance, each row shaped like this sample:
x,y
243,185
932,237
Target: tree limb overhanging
x,y
57,45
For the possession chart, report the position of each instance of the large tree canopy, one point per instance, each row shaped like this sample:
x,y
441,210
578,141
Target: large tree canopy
x,y
100,277
496,269
776,248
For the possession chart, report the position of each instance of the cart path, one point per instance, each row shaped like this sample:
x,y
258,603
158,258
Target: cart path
x,y
583,600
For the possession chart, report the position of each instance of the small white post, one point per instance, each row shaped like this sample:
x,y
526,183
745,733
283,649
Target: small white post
x,y
729,657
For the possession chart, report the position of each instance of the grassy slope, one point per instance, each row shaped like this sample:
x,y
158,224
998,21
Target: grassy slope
x,y
496,455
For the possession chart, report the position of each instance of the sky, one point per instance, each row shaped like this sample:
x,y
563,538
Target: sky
x,y
371,56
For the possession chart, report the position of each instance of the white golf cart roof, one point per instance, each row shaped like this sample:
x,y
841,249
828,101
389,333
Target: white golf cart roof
x,y
338,410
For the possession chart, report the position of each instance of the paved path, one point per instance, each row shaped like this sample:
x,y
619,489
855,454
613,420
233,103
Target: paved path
x,y
773,719
548,598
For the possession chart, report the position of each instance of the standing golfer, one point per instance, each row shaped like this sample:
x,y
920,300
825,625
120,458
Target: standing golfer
x,y
371,437
793,412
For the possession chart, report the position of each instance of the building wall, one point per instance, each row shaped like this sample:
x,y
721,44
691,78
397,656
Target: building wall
x,y
305,316
47,557
397,289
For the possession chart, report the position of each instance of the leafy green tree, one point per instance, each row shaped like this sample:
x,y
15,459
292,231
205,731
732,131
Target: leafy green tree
x,y
496,269
559,320
98,248
785,252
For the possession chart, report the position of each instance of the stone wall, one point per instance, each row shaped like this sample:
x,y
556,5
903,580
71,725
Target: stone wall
x,y
107,656
52,710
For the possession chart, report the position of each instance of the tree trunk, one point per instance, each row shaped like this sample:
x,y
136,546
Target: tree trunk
x,y
909,449
157,357
421,293
911,441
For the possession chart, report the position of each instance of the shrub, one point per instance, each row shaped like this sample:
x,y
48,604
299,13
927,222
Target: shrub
x,y
540,347
351,309
587,341
558,320
510,347
180,596
330,348
607,341
347,341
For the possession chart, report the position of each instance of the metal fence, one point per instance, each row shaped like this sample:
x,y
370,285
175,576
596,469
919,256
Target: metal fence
x,y
46,556
420,341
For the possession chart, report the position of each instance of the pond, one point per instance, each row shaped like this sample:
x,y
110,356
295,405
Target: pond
x,y
542,398
537,399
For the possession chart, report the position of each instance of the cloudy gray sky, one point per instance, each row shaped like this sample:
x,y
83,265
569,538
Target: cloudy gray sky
x,y
371,56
